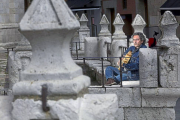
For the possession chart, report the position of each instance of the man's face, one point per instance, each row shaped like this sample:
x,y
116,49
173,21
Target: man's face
x,y
137,42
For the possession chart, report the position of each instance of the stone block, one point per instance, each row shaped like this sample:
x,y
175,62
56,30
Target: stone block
x,y
159,97
91,47
95,90
61,109
120,114
169,64
149,113
127,97
99,107
148,70
5,107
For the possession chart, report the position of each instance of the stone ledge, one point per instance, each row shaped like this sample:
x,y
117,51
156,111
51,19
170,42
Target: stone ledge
x,y
55,87
149,113
127,97
160,97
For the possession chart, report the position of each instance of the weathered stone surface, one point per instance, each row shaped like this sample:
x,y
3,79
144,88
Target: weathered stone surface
x,y
104,27
159,97
120,114
103,46
91,47
30,109
169,63
138,24
95,90
5,107
99,107
168,24
149,113
90,107
127,97
148,70
84,31
55,87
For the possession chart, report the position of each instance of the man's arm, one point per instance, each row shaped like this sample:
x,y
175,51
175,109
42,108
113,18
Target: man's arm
x,y
132,66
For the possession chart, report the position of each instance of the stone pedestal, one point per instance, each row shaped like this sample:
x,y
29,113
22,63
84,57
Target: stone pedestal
x,y
119,40
103,46
49,26
91,47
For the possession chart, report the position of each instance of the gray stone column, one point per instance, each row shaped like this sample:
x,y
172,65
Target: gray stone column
x,y
104,36
138,24
84,31
49,26
119,40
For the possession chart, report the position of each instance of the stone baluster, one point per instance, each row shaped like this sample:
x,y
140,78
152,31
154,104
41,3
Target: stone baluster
x,y
104,36
49,26
138,24
168,26
84,30
169,58
119,40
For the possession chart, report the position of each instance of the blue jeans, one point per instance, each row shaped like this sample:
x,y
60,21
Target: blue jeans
x,y
114,73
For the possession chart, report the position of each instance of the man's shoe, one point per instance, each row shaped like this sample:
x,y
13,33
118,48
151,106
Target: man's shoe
x,y
110,81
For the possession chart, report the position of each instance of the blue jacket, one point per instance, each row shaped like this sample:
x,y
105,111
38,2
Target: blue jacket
x,y
133,65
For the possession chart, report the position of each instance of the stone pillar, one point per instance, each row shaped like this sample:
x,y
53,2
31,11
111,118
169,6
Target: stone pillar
x,y
75,38
169,58
104,32
84,30
119,40
138,24
49,26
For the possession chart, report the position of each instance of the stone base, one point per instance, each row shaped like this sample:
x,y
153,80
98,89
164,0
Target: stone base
x,y
55,87
90,107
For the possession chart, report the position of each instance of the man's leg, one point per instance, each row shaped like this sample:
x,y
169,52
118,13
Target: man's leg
x,y
111,72
118,78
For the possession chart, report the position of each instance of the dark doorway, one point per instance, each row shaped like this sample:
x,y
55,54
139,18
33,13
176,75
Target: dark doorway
x,y
112,12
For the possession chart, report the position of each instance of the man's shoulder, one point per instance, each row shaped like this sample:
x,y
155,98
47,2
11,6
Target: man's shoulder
x,y
143,46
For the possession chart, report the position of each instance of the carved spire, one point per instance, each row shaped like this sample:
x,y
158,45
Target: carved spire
x,y
168,24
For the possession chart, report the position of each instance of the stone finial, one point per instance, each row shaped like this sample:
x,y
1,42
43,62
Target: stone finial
x,y
138,24
118,24
77,16
83,18
104,20
104,27
49,26
47,14
83,21
168,24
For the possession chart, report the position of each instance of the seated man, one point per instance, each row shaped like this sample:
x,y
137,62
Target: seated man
x,y
131,66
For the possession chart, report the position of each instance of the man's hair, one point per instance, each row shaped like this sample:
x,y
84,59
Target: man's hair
x,y
141,36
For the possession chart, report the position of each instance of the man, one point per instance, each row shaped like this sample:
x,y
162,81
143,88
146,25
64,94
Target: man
x,y
131,66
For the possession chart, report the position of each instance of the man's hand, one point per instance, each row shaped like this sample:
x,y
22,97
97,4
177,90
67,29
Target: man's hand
x,y
118,63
